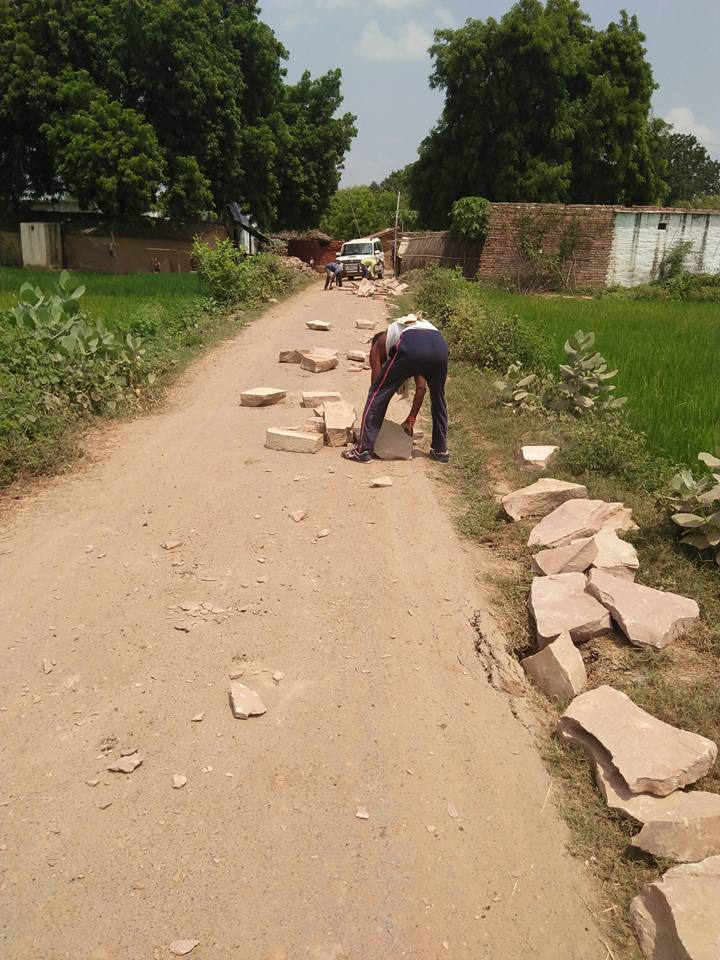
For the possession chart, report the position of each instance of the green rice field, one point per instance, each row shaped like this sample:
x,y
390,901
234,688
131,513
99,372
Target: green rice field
x,y
117,298
667,354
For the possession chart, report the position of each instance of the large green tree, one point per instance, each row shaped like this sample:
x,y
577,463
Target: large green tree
x,y
539,106
689,170
361,211
207,76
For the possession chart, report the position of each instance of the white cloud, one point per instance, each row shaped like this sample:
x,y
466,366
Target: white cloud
x,y
410,42
444,17
683,121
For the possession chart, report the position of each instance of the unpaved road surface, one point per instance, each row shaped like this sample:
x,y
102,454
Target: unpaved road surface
x,y
382,705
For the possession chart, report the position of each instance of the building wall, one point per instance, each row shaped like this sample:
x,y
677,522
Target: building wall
x,y
500,256
321,251
640,239
10,249
41,245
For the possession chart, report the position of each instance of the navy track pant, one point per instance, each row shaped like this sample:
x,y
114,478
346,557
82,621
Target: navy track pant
x,y
417,352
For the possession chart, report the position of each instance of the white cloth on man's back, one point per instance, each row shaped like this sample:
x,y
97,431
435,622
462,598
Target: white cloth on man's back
x,y
399,326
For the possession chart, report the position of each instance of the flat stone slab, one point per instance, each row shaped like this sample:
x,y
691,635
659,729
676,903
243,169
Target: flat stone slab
x,y
318,324
677,916
261,396
577,519
647,617
576,557
317,364
357,356
289,356
558,604
366,288
317,398
381,482
293,441
365,324
614,555
538,456
651,756
339,420
683,826
314,425
558,670
245,702
319,352
393,443
541,497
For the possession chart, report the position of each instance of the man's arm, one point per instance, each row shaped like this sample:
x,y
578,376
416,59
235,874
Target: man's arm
x,y
377,356
420,390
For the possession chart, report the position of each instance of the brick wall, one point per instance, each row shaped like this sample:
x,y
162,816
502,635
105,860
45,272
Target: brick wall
x,y
321,251
595,227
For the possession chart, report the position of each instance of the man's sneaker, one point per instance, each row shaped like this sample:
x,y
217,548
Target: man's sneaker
x,y
357,456
440,457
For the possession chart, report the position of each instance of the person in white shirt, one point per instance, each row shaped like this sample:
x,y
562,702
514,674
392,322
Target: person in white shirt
x,y
410,347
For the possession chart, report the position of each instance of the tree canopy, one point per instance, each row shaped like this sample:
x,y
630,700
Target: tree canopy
x,y
189,97
360,211
539,106
688,169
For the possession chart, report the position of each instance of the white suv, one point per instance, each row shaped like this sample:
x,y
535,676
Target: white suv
x,y
353,251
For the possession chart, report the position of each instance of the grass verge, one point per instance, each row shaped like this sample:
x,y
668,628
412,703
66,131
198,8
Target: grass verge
x,y
47,399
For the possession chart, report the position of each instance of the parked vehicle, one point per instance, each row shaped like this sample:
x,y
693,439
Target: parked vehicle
x,y
353,251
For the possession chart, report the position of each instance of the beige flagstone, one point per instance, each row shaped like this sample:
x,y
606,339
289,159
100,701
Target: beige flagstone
x,y
559,603
541,497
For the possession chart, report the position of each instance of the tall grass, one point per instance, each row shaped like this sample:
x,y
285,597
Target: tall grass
x,y
668,355
117,298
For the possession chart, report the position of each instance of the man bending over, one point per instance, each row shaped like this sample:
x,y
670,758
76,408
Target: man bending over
x,y
410,347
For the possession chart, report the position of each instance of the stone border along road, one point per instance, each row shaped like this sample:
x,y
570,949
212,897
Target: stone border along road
x,y
244,834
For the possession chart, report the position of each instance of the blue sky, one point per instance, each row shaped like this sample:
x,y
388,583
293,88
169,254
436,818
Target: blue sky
x,y
381,47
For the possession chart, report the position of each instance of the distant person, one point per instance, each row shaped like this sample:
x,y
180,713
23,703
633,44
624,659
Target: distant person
x,y
333,274
155,263
410,347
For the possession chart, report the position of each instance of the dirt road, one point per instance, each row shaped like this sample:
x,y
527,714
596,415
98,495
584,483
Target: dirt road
x,y
382,705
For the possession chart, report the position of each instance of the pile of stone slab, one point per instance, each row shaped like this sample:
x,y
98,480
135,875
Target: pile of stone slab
x,y
585,584
331,424
642,768
313,359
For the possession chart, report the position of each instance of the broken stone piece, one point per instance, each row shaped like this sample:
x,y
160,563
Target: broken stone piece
x,y
171,544
577,519
318,398
365,324
357,356
198,718
538,456
182,947
366,288
289,356
47,667
278,676
323,533
651,756
558,670
126,764
381,482
261,396
318,324
245,702
339,419
558,603
318,364
362,814
541,497
179,781
689,830
677,916
293,441
576,557
614,555
647,617
298,515
393,443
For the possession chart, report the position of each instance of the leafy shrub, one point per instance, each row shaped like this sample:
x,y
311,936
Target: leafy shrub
x,y
672,261
696,507
233,278
584,383
609,446
478,332
470,217
514,391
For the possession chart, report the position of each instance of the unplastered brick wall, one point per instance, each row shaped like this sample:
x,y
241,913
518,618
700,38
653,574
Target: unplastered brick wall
x,y
593,225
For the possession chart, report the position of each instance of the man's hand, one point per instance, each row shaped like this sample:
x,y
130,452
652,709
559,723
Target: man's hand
x,y
408,428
